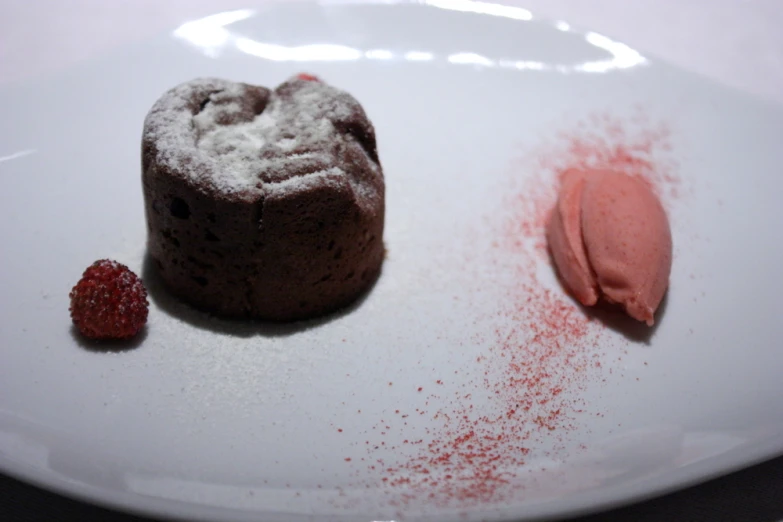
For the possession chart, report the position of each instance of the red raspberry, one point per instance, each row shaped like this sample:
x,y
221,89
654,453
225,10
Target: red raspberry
x,y
308,77
109,302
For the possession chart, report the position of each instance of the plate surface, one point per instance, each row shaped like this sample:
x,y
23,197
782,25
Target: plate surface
x,y
464,382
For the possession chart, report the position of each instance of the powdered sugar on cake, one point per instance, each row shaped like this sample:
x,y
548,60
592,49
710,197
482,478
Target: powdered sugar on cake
x,y
328,176
251,142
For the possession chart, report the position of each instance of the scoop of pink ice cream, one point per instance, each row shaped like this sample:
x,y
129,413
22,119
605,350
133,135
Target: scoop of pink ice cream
x,y
610,238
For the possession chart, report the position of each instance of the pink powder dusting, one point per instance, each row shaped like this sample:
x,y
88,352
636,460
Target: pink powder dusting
x,y
539,349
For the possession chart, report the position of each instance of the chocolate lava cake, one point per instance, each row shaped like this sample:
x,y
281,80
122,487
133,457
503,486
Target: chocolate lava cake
x,y
262,203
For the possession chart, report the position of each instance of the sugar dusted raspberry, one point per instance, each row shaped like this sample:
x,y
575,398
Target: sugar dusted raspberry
x,y
109,302
308,77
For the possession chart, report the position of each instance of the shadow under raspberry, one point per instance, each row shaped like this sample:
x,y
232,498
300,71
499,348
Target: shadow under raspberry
x,y
109,346
175,307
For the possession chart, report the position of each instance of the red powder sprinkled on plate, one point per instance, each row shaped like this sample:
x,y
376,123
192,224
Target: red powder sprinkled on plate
x,y
541,350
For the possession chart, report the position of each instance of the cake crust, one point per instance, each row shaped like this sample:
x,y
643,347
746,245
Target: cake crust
x,y
265,204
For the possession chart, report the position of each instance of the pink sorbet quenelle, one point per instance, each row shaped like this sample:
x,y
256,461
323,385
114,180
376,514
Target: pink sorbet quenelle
x,y
610,239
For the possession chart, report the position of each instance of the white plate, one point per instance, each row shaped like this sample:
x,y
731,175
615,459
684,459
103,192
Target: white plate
x,y
209,419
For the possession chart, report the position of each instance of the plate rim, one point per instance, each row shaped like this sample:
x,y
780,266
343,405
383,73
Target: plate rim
x,y
736,459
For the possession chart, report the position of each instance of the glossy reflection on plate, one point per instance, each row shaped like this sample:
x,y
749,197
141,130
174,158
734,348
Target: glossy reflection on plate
x,y
212,35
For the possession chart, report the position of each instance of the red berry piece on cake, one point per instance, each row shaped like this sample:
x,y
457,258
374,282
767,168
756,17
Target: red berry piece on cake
x,y
308,77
